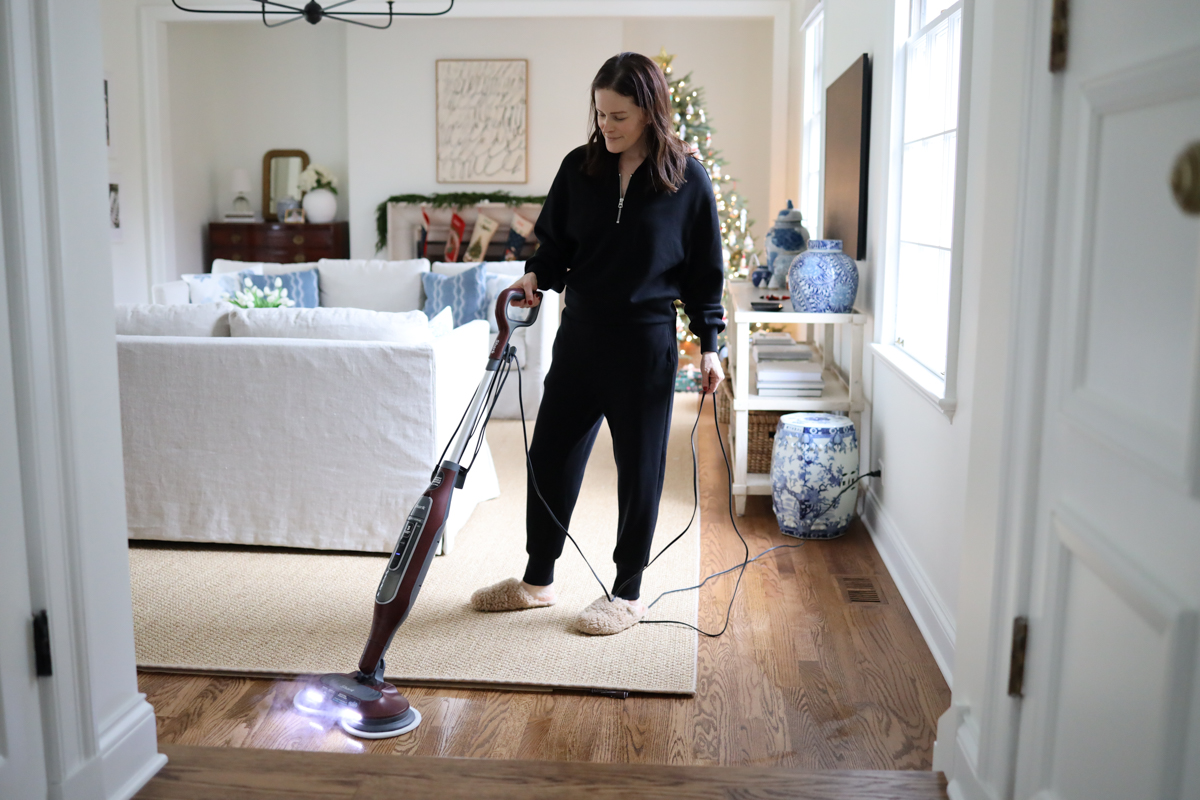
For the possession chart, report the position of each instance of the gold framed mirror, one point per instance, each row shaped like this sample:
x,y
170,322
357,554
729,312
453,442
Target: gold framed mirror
x,y
280,174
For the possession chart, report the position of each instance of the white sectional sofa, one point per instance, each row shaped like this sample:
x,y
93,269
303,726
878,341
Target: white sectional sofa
x,y
396,286
299,442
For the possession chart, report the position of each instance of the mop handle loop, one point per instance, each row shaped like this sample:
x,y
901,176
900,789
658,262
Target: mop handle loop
x,y
506,324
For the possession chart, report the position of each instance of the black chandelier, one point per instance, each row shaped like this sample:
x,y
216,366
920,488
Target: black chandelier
x,y
314,12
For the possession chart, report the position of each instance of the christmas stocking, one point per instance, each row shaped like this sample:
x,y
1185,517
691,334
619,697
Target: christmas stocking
x,y
454,240
521,229
485,227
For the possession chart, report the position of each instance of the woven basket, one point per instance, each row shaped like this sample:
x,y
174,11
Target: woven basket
x,y
760,438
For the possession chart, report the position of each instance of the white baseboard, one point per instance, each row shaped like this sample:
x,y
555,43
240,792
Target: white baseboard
x,y
963,779
129,750
928,609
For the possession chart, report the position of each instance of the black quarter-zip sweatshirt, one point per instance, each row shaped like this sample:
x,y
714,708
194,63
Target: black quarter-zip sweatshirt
x,y
631,268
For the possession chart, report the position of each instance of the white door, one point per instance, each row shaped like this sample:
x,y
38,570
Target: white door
x,y
1112,695
22,764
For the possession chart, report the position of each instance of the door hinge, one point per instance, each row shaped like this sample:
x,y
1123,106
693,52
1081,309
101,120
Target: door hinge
x,y
1016,664
1058,35
41,644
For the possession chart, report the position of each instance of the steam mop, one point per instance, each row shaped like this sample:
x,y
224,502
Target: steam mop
x,y
362,702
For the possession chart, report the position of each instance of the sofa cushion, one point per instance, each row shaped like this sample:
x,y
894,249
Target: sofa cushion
x,y
373,285
354,324
464,293
301,286
209,288
151,319
221,265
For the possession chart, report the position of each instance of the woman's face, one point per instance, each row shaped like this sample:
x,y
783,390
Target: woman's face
x,y
619,119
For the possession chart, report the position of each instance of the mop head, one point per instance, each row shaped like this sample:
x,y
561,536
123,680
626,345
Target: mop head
x,y
368,710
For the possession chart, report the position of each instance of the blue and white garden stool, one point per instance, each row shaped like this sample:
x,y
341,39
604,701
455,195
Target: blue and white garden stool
x,y
815,457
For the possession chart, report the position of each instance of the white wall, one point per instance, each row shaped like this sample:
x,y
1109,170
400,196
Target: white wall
x,y
362,102
237,90
391,101
731,60
932,464
392,126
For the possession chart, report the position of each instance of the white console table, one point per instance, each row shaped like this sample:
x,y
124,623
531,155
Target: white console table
x,y
841,394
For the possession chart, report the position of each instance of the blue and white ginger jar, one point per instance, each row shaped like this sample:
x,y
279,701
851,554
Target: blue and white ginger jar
x,y
823,279
814,459
786,240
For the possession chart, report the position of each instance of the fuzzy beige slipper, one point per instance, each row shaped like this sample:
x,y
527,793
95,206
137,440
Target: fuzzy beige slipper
x,y
507,595
604,618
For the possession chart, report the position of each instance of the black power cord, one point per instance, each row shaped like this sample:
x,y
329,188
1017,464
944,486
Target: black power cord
x,y
510,357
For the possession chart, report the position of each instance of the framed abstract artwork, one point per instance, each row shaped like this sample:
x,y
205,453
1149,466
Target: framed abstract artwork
x,y
482,114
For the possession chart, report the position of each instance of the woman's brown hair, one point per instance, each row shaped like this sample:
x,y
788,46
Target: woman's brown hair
x,y
635,76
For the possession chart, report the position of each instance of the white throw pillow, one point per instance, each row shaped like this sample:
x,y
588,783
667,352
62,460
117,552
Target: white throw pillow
x,y
151,319
353,324
223,265
442,322
373,285
207,287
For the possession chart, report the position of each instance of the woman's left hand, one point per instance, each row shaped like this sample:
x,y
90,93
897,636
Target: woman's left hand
x,y
711,373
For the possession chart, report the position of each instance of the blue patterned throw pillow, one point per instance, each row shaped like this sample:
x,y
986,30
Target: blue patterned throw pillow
x,y
302,287
465,294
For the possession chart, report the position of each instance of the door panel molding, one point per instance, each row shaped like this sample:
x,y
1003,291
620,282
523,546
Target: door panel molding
x,y
1173,451
1075,542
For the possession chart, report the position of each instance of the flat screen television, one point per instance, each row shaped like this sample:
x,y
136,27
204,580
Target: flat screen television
x,y
847,149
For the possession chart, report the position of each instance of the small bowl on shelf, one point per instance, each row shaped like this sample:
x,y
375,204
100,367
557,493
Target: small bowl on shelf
x,y
766,305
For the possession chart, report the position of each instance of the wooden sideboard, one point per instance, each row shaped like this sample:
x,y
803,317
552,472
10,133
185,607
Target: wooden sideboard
x,y
276,242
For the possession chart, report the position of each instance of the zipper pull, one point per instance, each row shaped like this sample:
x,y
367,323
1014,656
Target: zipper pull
x,y
620,205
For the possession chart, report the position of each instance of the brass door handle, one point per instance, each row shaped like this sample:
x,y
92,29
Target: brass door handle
x,y
297,239
236,238
1185,179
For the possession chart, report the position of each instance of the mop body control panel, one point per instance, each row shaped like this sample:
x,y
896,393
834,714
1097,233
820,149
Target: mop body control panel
x,y
403,552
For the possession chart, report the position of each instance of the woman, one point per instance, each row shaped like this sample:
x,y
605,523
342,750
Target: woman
x,y
630,224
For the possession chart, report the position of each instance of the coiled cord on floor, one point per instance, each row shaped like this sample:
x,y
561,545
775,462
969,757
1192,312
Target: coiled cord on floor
x,y
510,358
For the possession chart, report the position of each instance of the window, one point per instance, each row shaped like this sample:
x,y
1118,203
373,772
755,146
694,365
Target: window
x,y
813,122
921,297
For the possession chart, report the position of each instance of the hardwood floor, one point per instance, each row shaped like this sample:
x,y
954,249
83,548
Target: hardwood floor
x,y
804,678
202,773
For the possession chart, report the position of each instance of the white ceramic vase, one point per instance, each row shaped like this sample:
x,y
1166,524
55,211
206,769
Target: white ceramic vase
x,y
320,205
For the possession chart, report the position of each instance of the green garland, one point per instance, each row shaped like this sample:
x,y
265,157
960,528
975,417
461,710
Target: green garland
x,y
447,200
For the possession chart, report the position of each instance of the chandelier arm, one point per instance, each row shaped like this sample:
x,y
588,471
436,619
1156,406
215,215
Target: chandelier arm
x,y
340,18
335,5
226,11
290,9
278,24
445,10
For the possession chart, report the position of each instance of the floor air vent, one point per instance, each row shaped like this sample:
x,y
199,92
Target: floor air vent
x,y
860,589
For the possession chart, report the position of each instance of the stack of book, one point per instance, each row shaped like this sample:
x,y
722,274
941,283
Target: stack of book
x,y
784,368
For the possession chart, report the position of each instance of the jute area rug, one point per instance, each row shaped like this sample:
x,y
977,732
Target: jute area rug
x,y
220,609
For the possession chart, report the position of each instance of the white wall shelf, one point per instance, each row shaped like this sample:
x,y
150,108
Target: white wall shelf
x,y
844,395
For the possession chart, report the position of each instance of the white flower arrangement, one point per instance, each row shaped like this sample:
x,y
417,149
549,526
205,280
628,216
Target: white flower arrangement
x,y
317,177
254,297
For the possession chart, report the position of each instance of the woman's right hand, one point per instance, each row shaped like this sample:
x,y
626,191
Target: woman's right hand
x,y
528,284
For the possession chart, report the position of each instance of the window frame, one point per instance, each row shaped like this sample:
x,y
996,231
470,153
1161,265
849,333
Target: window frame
x,y
939,390
814,222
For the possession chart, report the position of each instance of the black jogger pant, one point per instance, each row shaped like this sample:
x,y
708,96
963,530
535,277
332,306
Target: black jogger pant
x,y
625,373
